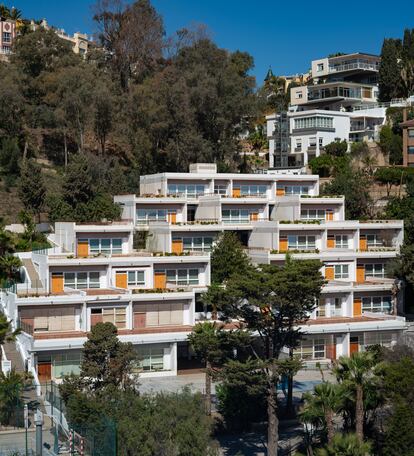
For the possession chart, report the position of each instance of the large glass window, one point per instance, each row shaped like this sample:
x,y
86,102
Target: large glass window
x,y
151,215
187,190
313,122
252,190
136,278
375,270
105,246
341,271
301,242
311,349
341,241
381,304
235,215
182,276
296,189
199,243
312,214
81,280
151,358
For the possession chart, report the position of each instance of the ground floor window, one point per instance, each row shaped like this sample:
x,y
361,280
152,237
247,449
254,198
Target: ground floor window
x,y
311,349
151,359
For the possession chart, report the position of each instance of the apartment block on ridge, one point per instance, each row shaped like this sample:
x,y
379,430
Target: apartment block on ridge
x,y
93,273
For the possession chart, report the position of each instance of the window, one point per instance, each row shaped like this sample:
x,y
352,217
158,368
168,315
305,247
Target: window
x,y
298,95
411,150
182,276
81,280
375,270
187,190
341,241
381,304
313,122
312,214
235,216
373,241
201,244
411,132
320,67
150,358
311,349
252,190
7,37
296,190
341,271
301,242
136,278
106,246
220,189
151,215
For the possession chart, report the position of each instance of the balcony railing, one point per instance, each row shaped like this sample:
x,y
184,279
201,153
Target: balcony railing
x,y
356,65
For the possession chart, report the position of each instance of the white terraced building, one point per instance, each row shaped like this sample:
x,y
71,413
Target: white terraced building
x,y
93,273
340,102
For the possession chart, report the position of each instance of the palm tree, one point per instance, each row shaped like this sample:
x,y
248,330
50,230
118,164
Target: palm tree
x,y
4,11
10,267
356,373
324,402
345,445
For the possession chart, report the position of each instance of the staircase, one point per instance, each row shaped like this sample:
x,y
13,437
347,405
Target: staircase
x,y
37,285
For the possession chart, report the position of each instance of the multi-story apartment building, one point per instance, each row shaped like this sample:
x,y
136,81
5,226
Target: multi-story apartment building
x,y
339,102
8,32
93,273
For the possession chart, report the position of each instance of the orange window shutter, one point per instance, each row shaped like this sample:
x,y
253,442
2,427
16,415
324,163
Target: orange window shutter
x,y
329,215
121,280
331,242
57,283
160,279
329,273
360,273
283,244
236,192
83,249
357,311
280,191
177,246
363,243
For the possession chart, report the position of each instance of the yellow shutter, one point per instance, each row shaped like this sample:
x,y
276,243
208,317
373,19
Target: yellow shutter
x,y
83,249
160,279
283,244
360,276
357,307
121,280
177,245
57,282
329,273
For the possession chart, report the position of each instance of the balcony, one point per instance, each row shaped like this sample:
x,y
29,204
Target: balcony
x,y
353,65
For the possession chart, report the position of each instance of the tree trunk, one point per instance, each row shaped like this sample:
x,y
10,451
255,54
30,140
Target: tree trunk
x,y
208,388
65,145
330,425
359,413
272,420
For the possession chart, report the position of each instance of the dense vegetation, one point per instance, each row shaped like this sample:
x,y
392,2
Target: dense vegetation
x,y
80,130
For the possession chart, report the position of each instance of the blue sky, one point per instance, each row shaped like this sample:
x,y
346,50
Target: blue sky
x,y
285,35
